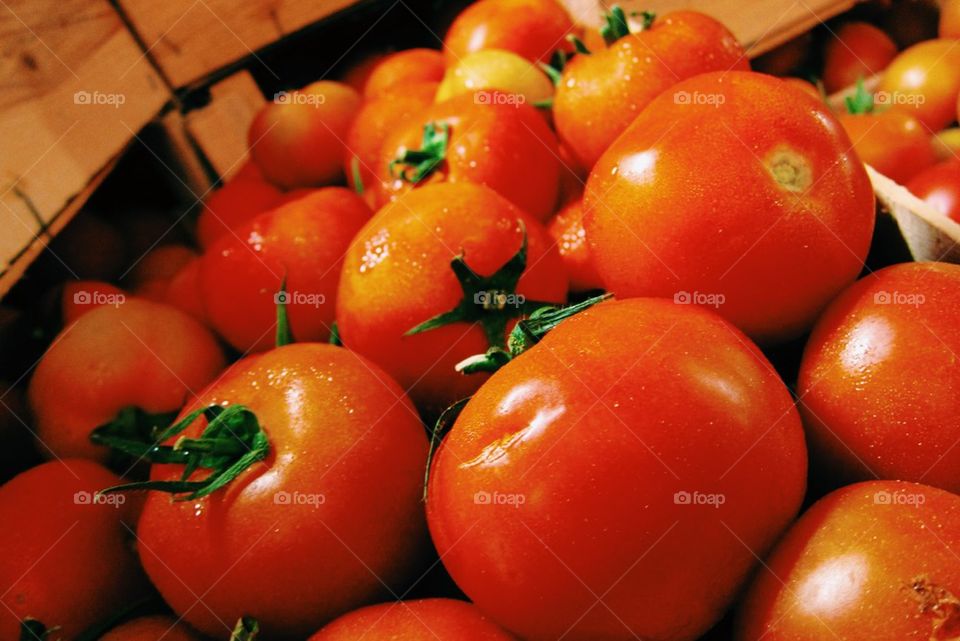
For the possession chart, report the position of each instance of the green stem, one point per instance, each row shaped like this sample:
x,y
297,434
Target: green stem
x,y
283,336
440,429
418,164
862,101
247,629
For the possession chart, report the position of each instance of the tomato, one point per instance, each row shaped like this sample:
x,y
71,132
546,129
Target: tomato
x,y
397,274
151,628
599,95
533,29
159,264
135,354
491,138
66,560
727,207
183,291
80,296
232,205
329,521
302,241
359,71
879,385
395,72
857,50
375,121
566,228
638,439
923,81
949,19
297,140
572,176
946,144
496,69
870,561
436,619
805,86
939,186
892,142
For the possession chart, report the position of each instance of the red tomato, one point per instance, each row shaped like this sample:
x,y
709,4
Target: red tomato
x,y
331,517
533,29
66,557
638,439
950,19
923,82
790,209
939,186
805,86
297,140
303,241
869,561
892,142
183,291
152,628
232,205
599,95
81,296
566,228
395,72
504,145
879,383
159,264
857,50
435,619
397,274
136,354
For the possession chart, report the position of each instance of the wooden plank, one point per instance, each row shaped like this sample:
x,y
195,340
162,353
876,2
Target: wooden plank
x,y
189,39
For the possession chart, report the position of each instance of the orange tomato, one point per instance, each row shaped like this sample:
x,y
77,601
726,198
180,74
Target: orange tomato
x,y
533,29
950,19
395,72
183,291
892,142
356,75
159,264
856,50
81,296
939,186
235,203
923,82
566,229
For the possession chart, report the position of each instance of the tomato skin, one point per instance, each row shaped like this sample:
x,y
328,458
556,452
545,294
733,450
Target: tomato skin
x,y
939,186
496,69
533,29
183,291
395,72
397,274
805,86
566,228
949,19
240,275
892,142
599,474
599,95
66,561
438,619
879,386
232,205
138,353
151,628
506,146
922,81
777,249
338,427
854,567
857,50
81,296
159,264
299,142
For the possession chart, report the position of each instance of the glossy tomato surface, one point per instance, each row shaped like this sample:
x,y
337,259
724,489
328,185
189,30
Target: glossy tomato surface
x,y
923,81
714,199
616,480
395,72
893,142
233,204
567,231
939,186
533,29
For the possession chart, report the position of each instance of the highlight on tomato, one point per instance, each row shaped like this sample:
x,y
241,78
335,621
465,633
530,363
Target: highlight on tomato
x,y
939,187
923,82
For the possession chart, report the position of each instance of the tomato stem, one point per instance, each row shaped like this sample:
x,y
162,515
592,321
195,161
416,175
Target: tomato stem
x,y
861,102
357,176
558,61
283,336
440,429
578,44
247,629
424,161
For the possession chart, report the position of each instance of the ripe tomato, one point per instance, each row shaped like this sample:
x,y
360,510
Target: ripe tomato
x,y
805,86
599,95
397,274
490,138
135,354
357,73
533,29
183,291
870,561
151,628
293,541
923,81
791,210
235,203
80,296
66,560
857,50
939,186
879,384
892,142
159,264
297,140
950,19
436,619
946,144
566,228
393,73
496,69
304,241
560,491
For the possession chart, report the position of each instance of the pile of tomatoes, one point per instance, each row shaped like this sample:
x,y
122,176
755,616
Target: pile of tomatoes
x,y
475,346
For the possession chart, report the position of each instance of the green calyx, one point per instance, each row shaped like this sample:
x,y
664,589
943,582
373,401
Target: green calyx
x,y
860,102
283,336
615,25
417,164
554,70
578,45
356,175
232,441
247,629
491,301
440,429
